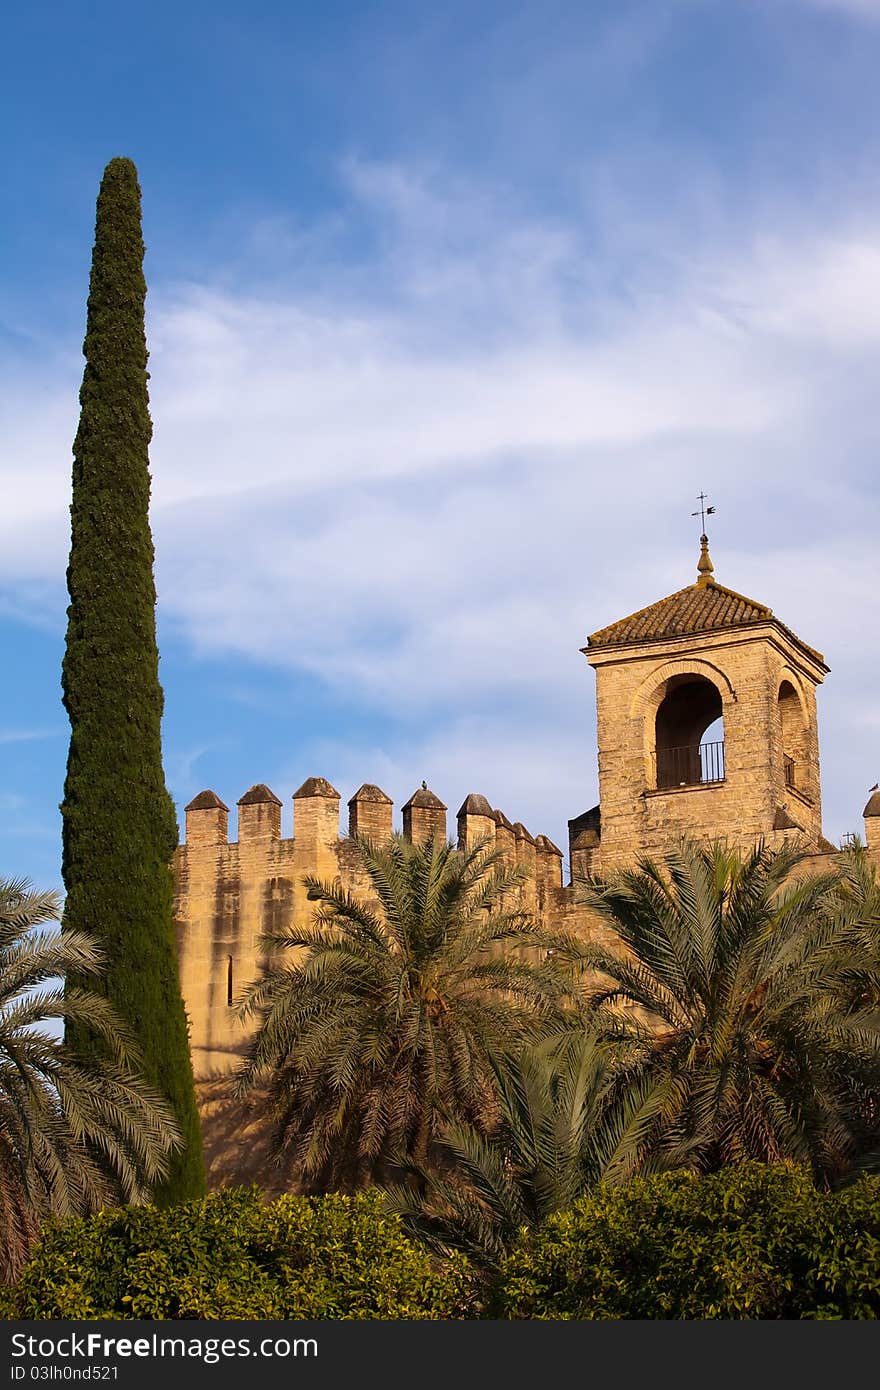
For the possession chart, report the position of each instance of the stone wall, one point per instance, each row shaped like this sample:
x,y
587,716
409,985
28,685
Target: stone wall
x,y
231,894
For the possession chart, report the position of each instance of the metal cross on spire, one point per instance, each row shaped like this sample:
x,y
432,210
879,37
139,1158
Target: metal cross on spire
x,y
704,510
705,568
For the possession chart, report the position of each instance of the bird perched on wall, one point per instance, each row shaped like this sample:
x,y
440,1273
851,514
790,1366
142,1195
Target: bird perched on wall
x,y
425,785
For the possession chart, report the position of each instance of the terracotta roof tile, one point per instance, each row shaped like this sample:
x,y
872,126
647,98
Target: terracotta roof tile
x,y
700,607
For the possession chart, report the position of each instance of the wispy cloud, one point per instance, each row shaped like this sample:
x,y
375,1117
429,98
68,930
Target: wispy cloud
x,y
26,735
180,766
426,480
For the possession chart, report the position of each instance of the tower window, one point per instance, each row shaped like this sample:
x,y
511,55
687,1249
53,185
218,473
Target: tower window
x,y
791,725
229,981
684,756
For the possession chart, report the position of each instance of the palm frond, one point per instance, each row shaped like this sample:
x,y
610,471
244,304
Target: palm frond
x,y
74,1134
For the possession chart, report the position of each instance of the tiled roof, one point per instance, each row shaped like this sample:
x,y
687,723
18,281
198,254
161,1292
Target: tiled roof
x,y
701,607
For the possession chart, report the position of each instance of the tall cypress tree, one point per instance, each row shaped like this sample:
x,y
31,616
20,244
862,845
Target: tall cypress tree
x,y
119,824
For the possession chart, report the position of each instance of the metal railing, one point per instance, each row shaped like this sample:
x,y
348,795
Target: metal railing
x,y
788,764
693,766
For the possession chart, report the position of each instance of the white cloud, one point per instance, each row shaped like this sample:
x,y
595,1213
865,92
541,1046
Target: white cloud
x,y
827,294
25,735
426,480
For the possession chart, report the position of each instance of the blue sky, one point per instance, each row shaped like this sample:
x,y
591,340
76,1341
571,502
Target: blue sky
x,y
452,312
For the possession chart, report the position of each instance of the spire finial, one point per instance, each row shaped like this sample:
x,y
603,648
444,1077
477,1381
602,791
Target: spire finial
x,y
705,568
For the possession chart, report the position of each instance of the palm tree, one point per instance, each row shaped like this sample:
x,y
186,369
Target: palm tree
x,y
75,1134
856,898
573,1112
755,993
383,1028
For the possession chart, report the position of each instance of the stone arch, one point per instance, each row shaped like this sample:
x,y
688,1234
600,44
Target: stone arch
x,y
789,676
793,718
675,711
649,693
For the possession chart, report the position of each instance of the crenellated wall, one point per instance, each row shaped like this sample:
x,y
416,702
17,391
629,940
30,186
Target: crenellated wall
x,y
231,893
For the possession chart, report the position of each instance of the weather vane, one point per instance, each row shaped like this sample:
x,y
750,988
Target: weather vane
x,y
704,510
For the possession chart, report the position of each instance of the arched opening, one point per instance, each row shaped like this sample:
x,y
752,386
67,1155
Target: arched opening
x,y
690,709
791,723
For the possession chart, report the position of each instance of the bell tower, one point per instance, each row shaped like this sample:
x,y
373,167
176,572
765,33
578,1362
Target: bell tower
x,y
706,709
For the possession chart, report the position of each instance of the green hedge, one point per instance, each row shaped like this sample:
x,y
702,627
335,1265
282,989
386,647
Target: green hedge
x,y
229,1255
748,1242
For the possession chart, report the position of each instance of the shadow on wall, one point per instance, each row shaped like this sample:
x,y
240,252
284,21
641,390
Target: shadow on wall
x,y
238,1142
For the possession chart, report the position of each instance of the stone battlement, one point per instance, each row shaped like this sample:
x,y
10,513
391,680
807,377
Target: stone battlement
x,y
231,893
316,807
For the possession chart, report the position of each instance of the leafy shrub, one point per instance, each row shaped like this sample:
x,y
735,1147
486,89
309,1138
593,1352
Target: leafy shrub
x,y
8,1303
230,1256
753,1241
